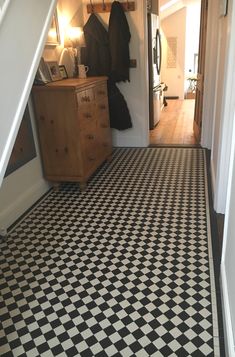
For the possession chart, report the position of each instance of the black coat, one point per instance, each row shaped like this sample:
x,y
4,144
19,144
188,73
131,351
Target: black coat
x,y
119,38
96,54
119,113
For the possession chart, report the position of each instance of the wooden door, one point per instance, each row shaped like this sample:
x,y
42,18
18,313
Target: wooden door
x,y
197,124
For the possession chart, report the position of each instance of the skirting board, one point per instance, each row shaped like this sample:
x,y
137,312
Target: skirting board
x,y
212,180
228,334
25,201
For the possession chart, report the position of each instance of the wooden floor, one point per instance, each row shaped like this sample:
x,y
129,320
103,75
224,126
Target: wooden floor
x,y
176,124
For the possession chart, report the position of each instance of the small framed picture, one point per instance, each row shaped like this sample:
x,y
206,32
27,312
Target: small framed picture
x,y
63,71
54,70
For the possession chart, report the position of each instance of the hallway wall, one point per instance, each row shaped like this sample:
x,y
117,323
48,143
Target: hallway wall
x,y
136,91
23,187
174,26
219,119
22,35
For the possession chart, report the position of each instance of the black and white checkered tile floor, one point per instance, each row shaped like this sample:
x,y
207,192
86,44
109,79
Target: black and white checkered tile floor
x,y
123,269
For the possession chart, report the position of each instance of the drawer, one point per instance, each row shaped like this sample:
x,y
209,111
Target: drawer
x,y
102,108
88,136
90,152
100,91
104,140
104,136
85,97
86,116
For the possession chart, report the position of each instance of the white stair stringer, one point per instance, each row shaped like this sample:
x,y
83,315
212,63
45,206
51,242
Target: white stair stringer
x,y
23,32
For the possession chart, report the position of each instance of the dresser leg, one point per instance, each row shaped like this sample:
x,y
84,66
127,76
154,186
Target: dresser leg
x,y
109,158
83,186
56,186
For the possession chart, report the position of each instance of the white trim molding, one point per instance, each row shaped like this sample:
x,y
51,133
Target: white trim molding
x,y
22,204
228,329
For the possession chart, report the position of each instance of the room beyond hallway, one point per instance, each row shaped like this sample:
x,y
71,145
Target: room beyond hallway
x,y
123,269
175,125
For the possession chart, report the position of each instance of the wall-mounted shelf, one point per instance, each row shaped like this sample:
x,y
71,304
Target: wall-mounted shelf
x,y
106,7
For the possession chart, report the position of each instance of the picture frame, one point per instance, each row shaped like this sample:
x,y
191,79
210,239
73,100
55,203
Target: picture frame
x,y
53,37
223,8
63,72
42,76
54,70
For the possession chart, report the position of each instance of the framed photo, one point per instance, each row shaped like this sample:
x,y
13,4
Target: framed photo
x,y
63,72
43,75
54,70
53,37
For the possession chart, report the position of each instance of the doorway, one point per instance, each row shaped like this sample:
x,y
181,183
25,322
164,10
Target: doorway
x,y
180,27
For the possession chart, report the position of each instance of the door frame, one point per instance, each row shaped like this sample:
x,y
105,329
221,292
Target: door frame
x,y
199,100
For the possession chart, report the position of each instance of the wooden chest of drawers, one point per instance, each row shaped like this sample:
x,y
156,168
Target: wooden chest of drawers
x,y
73,126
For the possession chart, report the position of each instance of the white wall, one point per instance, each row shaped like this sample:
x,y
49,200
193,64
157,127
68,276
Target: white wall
x,y
135,92
174,26
23,187
192,38
228,254
70,13
22,35
218,105
216,121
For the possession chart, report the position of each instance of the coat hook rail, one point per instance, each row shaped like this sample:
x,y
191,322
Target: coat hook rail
x,y
106,7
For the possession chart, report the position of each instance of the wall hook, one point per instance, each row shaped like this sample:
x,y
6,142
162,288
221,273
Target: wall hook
x,y
92,6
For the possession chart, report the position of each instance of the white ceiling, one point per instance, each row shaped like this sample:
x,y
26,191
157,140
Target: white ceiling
x,y
168,7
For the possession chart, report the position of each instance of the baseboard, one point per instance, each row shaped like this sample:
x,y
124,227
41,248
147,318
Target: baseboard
x,y
22,203
228,334
212,180
171,97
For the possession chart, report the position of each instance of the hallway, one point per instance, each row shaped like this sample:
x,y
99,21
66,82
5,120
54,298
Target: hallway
x,y
122,269
176,124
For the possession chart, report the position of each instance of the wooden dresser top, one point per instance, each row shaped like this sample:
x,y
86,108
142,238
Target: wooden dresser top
x,y
71,83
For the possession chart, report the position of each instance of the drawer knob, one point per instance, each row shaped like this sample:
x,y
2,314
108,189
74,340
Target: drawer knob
x,y
102,106
42,117
85,99
87,115
52,121
101,92
90,137
91,158
66,149
104,126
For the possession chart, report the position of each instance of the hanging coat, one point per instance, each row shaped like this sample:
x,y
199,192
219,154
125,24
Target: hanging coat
x,y
119,113
119,38
96,54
